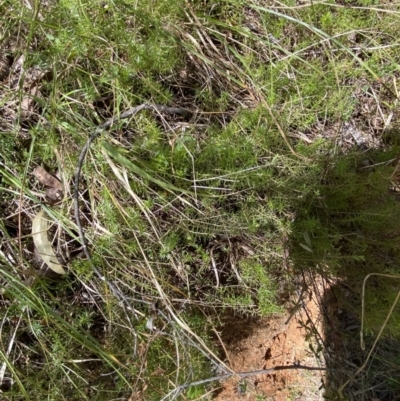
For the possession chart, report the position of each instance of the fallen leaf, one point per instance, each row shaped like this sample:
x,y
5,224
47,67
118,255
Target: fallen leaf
x,y
43,246
54,192
47,179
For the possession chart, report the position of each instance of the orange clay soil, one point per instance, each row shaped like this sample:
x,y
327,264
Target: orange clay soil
x,y
268,342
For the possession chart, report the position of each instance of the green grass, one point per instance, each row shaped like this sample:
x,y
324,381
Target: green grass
x,y
188,215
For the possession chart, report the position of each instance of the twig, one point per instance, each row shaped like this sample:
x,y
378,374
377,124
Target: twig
x,y
179,389
101,128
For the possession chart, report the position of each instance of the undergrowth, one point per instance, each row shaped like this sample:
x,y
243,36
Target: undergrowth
x,y
189,215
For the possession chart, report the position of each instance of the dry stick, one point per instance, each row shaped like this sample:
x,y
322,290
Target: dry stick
x,y
241,375
101,128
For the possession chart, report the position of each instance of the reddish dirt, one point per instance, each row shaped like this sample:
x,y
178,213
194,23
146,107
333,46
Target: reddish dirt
x,y
266,343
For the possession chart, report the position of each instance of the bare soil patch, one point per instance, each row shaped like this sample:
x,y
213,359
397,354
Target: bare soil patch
x,y
270,342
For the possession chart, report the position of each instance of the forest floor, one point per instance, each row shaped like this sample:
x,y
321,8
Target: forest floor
x,y
194,191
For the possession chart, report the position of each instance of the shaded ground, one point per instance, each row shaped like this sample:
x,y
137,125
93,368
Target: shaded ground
x,y
378,378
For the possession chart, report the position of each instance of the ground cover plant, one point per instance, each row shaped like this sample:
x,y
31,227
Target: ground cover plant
x,y
267,147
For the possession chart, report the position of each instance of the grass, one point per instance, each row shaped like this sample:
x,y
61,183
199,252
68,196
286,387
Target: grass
x,y
188,216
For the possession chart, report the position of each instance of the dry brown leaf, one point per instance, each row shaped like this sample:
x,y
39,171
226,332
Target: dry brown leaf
x,y
54,192
47,179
